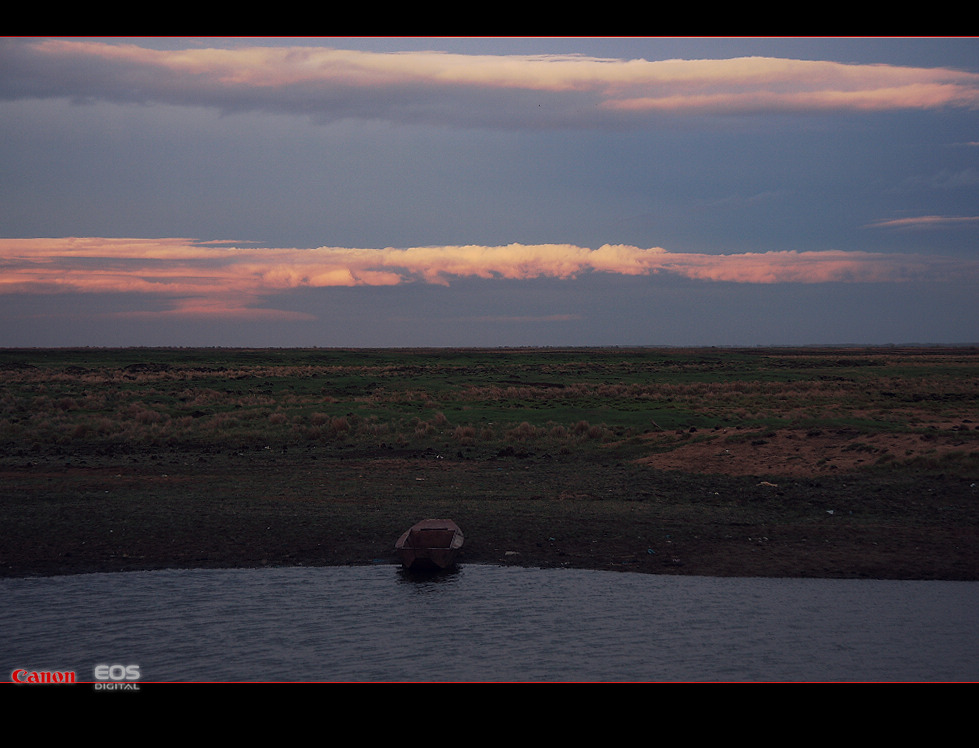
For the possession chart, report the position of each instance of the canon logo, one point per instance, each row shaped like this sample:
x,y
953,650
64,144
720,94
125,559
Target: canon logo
x,y
43,676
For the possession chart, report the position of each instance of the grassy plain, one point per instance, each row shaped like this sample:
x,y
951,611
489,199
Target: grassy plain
x,y
833,462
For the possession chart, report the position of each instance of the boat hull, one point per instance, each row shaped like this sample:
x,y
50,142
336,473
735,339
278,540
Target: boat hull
x,y
431,544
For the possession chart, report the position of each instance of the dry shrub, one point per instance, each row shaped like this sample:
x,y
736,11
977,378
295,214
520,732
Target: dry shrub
x,y
464,434
376,429
145,416
596,432
94,401
184,423
523,432
222,421
139,413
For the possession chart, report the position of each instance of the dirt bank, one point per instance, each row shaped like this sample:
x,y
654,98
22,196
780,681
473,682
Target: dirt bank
x,y
90,513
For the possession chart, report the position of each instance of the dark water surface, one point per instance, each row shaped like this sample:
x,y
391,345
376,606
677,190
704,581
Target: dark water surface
x,y
488,623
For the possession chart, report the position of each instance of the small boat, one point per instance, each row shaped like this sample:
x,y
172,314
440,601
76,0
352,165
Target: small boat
x,y
430,544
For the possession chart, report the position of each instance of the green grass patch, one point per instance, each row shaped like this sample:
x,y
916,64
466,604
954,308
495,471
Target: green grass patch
x,y
562,398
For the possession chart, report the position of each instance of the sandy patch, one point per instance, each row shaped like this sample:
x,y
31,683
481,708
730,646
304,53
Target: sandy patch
x,y
799,453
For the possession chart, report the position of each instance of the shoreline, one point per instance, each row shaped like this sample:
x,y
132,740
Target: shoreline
x,y
461,567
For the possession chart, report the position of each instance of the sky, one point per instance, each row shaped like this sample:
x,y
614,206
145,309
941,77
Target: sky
x,y
488,191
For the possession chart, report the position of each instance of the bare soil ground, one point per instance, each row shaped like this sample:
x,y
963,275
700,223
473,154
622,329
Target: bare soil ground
x,y
657,515
800,453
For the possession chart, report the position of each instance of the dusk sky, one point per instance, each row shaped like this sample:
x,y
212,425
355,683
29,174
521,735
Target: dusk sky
x,y
376,192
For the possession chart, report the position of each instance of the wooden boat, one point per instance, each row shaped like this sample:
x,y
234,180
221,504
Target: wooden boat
x,y
431,544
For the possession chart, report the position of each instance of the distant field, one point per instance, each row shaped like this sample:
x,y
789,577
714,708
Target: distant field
x,y
635,402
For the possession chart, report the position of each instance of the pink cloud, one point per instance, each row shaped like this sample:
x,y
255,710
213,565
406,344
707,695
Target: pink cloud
x,y
217,279
918,222
330,83
229,306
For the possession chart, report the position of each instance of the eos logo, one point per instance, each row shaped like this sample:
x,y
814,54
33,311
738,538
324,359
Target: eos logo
x,y
116,677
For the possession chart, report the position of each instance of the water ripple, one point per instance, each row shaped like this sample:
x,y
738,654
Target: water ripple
x,y
485,623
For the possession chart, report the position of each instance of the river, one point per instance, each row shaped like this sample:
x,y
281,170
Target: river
x,y
487,623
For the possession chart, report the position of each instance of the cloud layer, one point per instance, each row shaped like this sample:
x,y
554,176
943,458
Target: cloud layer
x,y
741,190
209,279
456,89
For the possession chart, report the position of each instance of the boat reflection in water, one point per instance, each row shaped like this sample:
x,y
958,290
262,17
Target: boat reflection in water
x,y
430,545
